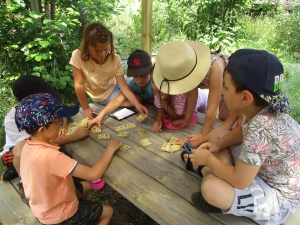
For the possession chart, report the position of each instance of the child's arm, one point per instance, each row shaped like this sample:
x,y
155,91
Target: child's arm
x,y
80,133
97,170
158,123
214,96
64,127
191,101
80,92
113,104
127,92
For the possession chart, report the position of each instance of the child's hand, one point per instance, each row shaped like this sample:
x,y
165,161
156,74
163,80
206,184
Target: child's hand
x,y
194,137
114,145
210,146
96,121
182,122
157,126
88,113
63,130
80,133
142,109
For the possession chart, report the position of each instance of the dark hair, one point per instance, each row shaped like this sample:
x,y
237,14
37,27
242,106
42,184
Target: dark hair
x,y
93,34
258,101
33,131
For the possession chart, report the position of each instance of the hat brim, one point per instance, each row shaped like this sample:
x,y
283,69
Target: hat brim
x,y
68,111
193,79
138,72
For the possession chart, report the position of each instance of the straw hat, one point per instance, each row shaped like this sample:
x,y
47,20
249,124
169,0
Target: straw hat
x,y
181,66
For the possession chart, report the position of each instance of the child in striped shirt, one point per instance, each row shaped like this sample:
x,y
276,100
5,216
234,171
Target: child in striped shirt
x,y
180,67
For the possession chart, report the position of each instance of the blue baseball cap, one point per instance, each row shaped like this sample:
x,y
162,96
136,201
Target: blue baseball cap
x,y
38,110
262,73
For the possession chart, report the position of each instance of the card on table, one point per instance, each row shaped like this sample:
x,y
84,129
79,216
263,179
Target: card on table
x,y
143,133
123,134
173,140
175,148
145,142
104,136
125,127
125,147
83,122
141,117
96,130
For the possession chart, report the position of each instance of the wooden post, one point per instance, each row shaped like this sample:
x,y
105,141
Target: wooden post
x,y
147,26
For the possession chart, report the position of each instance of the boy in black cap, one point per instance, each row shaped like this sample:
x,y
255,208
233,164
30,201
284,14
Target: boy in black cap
x,y
47,173
139,67
260,178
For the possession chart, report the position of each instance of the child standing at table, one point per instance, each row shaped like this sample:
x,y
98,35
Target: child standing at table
x,y
178,71
97,70
262,182
47,173
139,66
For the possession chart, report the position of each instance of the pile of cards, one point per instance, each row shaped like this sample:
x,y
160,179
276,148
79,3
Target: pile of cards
x,y
170,146
125,127
72,127
141,117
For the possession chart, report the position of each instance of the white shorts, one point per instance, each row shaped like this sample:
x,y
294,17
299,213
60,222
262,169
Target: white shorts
x,y
258,201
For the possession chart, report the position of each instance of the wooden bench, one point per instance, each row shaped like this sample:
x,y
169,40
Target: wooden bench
x,y
12,210
154,181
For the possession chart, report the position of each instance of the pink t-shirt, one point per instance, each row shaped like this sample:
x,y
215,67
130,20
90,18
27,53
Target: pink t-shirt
x,y
99,80
179,102
47,182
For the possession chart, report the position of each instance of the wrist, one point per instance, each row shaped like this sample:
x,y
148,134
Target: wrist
x,y
84,107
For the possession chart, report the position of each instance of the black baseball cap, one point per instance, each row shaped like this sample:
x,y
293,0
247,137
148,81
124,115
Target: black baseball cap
x,y
139,64
262,73
29,84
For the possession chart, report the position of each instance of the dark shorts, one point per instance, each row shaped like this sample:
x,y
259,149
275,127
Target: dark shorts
x,y
88,213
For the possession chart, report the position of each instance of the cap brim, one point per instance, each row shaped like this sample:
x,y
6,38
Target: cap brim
x,y
138,72
68,111
193,79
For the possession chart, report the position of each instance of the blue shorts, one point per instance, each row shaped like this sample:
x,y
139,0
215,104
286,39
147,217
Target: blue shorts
x,y
112,95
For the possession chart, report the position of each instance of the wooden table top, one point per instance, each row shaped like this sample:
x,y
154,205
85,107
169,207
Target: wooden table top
x,y
154,181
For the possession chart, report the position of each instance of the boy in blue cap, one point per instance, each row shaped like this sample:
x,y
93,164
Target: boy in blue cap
x,y
260,178
47,173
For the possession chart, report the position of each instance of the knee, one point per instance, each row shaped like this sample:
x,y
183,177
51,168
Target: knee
x,y
208,190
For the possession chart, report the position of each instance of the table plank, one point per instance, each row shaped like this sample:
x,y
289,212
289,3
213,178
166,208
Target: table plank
x,y
166,168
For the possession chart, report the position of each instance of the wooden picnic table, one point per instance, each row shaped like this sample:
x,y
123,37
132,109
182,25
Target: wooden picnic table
x,y
154,181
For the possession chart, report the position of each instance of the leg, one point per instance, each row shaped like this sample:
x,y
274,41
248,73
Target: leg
x,y
106,215
128,103
216,191
17,150
83,189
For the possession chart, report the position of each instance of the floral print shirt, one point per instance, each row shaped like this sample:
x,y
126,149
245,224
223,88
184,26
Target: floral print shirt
x,y
273,142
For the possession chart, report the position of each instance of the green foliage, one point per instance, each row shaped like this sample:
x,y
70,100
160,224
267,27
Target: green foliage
x,y
38,47
291,88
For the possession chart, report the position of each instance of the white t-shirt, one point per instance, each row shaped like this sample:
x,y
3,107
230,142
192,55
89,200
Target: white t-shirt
x,y
12,134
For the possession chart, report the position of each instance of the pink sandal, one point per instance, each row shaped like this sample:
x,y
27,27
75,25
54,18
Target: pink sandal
x,y
97,184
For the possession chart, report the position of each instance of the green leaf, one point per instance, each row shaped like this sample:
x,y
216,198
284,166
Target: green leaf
x,y
38,58
44,44
46,21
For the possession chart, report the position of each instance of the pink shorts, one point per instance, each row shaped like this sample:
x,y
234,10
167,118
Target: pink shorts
x,y
168,122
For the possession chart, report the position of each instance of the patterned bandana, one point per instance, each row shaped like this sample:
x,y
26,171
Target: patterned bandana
x,y
38,110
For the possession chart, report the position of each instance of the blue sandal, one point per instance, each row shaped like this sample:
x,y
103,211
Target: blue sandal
x,y
189,164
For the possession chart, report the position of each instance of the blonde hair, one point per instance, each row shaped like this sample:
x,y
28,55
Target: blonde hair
x,y
93,34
